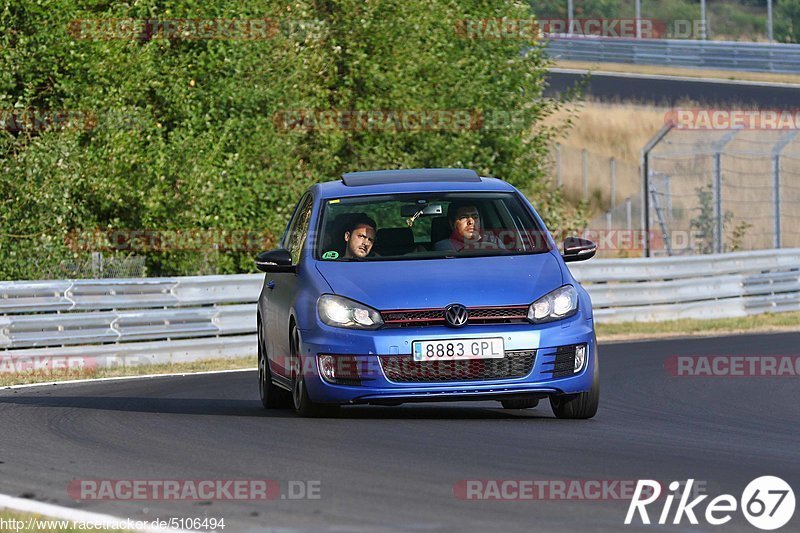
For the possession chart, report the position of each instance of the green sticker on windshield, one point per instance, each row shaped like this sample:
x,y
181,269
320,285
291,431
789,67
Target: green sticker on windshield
x,y
330,255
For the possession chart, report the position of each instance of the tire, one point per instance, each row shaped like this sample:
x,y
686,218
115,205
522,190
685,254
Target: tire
x,y
272,396
579,406
303,405
522,403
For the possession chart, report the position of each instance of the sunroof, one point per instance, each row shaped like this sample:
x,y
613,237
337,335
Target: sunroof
x,y
380,177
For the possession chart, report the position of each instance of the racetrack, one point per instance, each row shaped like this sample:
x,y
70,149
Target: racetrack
x,y
387,469
672,91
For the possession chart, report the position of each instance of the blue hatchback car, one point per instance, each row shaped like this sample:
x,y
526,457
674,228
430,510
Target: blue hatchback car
x,y
423,285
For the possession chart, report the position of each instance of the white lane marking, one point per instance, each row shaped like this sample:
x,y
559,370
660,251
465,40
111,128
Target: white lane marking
x,y
674,78
52,511
144,376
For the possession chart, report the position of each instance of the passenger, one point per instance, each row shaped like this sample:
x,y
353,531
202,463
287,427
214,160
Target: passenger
x,y
360,238
465,223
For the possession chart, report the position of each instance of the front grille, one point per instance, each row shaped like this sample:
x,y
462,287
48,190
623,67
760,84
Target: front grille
x,y
563,364
435,317
403,368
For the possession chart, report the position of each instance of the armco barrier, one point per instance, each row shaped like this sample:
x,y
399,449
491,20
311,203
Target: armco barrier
x,y
701,286
726,55
111,322
129,321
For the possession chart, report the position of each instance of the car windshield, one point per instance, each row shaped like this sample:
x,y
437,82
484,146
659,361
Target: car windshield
x,y
427,226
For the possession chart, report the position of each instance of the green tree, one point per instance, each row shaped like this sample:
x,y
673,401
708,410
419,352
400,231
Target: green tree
x,y
183,135
787,21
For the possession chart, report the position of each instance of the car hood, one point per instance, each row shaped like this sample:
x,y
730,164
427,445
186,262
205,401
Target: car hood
x,y
436,283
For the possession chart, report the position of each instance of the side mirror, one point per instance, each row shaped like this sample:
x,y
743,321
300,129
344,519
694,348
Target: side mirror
x,y
577,249
279,260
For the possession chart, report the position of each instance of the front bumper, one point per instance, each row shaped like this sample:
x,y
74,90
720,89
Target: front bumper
x,y
376,388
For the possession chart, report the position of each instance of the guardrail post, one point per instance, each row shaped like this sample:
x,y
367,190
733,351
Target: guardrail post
x,y
776,186
645,169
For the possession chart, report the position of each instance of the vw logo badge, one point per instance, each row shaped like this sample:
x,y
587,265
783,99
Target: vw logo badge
x,y
456,315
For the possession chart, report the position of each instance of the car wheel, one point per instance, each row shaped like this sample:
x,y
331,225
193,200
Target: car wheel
x,y
523,403
579,406
272,396
303,405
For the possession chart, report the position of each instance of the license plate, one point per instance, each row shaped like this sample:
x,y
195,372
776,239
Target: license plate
x,y
458,349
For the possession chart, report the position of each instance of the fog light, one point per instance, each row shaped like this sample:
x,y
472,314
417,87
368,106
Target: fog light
x,y
339,368
327,367
580,357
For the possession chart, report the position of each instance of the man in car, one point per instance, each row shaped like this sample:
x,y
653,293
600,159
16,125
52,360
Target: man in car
x,y
359,237
465,223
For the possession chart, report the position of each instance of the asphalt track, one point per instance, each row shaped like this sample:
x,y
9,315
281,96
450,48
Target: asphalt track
x,y
394,468
611,87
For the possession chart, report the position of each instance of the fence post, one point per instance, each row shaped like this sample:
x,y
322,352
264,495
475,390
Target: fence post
x,y
97,265
716,191
716,200
645,170
628,214
776,186
585,172
613,171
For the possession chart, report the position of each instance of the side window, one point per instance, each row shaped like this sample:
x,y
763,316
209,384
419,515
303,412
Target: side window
x,y
298,228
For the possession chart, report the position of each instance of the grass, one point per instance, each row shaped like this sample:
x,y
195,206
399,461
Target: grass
x,y
620,130
679,71
39,523
768,322
605,130
139,370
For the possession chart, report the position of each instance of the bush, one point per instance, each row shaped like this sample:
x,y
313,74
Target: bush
x,y
180,134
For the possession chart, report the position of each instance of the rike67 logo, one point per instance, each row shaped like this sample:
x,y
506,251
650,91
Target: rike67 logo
x,y
767,503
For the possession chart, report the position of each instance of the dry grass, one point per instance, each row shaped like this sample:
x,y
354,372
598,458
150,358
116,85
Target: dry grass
x,y
611,130
621,130
605,131
766,323
678,71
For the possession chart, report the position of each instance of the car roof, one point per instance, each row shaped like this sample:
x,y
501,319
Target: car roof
x,y
408,181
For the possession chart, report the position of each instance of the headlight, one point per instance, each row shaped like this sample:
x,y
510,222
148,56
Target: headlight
x,y
345,313
560,303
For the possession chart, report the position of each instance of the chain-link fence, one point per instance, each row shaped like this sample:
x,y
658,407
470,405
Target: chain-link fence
x,y
95,265
593,177
722,191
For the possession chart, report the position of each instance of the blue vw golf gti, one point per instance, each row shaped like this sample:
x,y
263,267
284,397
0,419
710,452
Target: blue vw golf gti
x,y
423,285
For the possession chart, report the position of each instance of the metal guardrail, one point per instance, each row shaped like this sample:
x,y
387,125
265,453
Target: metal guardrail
x,y
701,286
110,322
727,55
131,321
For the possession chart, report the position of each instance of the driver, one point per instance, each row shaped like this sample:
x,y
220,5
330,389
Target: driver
x,y
360,238
465,223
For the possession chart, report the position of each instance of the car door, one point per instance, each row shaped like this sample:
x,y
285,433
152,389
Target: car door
x,y
284,287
